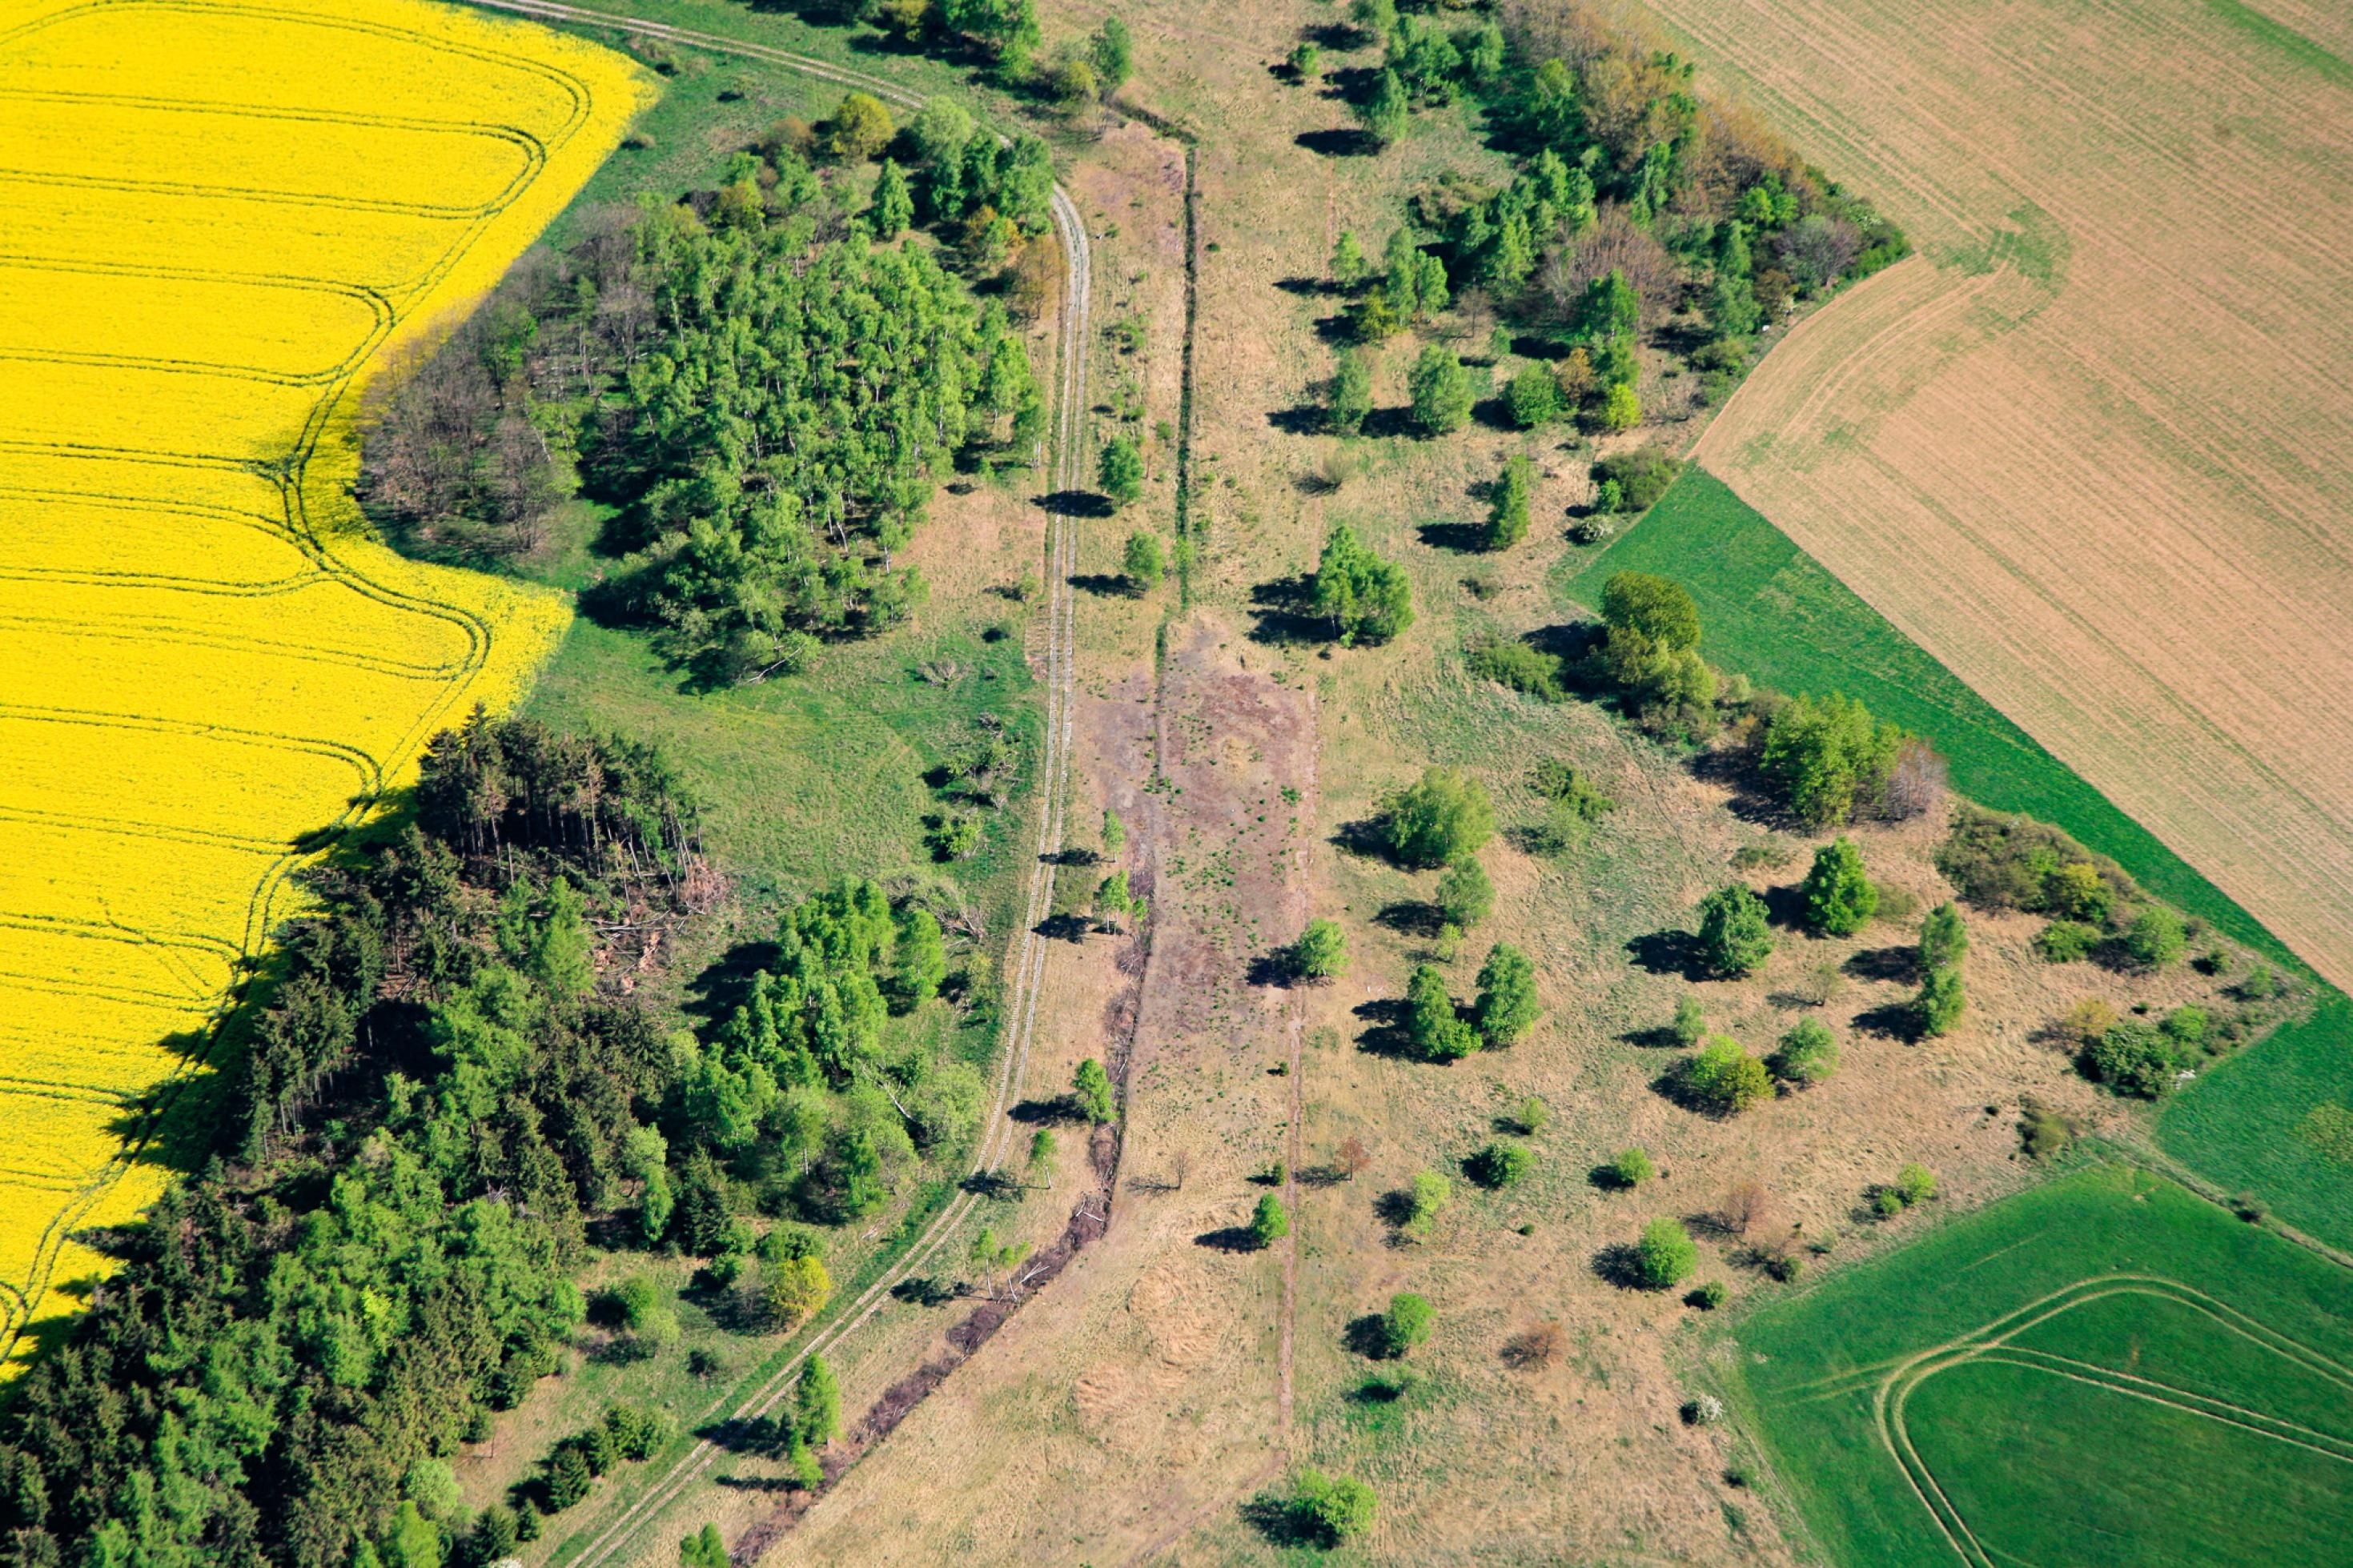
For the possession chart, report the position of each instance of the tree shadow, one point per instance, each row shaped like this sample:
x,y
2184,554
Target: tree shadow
x,y
1060,1109
992,1184
1675,953
1368,1336
1411,916
1461,537
1103,585
1273,969
1661,1038
1607,1178
1898,1021
1899,964
1619,1264
1785,905
1066,927
1227,1239
1077,503
1494,414
1390,424
1300,419
1283,610
1340,141
1386,1034
1309,287
922,1290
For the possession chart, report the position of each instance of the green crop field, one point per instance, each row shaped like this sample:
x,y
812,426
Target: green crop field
x,y
2104,1371
1776,614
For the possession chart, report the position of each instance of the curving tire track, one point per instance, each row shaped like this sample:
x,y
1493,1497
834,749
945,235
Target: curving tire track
x,y
1067,473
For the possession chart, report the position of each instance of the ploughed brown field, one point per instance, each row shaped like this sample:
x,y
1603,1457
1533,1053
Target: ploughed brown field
x,y
2092,448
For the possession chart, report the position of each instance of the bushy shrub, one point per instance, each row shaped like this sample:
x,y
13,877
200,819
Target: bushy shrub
x,y
1725,1080
1809,1054
1465,893
1320,953
1734,937
1915,1184
1630,1168
1641,473
2136,1060
1691,1020
1708,1298
1839,897
1943,938
2156,938
1665,1255
2066,942
1506,1006
1406,1323
2013,862
1530,671
1432,823
1500,1164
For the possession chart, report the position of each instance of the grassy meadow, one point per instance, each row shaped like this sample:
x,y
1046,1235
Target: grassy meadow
x,y
1775,615
2103,1370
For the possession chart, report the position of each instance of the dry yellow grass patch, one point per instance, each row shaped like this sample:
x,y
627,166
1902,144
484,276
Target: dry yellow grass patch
x,y
218,215
2093,449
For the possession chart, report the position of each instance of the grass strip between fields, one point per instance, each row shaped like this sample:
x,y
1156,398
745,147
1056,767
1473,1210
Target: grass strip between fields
x,y
1776,614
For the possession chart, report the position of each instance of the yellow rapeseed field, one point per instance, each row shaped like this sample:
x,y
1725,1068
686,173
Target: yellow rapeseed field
x,y
215,217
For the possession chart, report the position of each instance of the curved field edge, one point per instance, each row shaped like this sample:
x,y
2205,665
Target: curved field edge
x,y
1810,1377
1774,614
314,478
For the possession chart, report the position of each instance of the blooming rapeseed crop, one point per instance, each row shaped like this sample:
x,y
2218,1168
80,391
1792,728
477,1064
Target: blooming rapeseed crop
x,y
215,217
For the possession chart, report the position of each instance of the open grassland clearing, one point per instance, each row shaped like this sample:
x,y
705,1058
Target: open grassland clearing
x,y
1775,615
1499,1436
220,216
2091,449
2104,1370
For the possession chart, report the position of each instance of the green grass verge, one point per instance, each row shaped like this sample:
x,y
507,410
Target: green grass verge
x,y
1774,614
2110,1425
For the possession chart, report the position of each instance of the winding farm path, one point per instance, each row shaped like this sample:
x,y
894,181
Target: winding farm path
x,y
1067,471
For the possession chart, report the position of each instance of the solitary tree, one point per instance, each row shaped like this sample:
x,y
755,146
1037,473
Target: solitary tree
x,y
1406,1323
1444,816
1508,515
1534,396
860,128
1438,1033
817,1403
1440,390
1090,1088
1808,1053
1321,952
1507,996
1733,935
1665,1255
1347,259
1944,939
1465,894
1270,1223
1351,394
1143,561
1941,1001
1725,1078
1839,897
1120,470
1112,54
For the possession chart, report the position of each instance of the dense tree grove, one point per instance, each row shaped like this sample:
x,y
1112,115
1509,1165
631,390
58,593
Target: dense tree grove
x,y
439,1103
1637,197
771,393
